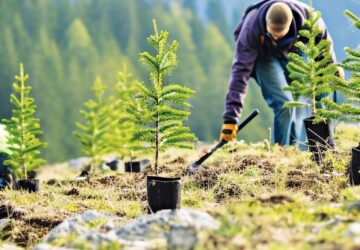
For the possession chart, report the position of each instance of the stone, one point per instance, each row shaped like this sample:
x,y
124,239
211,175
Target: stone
x,y
166,229
354,207
172,225
80,162
50,247
353,229
9,247
4,223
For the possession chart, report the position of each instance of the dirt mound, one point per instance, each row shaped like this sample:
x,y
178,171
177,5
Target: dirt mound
x,y
207,177
9,211
276,199
29,231
73,192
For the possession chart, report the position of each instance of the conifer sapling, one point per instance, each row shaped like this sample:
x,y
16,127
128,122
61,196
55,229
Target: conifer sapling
x,y
93,133
159,109
124,128
313,73
24,130
351,88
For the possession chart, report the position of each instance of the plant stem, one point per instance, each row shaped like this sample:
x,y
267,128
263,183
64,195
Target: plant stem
x,y
22,119
157,144
313,104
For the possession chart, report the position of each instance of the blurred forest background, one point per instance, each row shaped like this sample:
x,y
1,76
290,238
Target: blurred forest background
x,y
65,44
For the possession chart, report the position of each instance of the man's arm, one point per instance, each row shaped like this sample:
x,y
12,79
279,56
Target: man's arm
x,y
242,67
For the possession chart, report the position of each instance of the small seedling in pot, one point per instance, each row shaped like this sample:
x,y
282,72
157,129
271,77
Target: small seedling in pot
x,y
124,128
349,111
94,134
156,110
159,114
313,72
24,131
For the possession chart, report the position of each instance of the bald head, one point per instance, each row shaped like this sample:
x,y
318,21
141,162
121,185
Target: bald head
x,y
278,19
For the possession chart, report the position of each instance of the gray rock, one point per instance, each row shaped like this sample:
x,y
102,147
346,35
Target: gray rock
x,y
165,229
177,235
9,247
76,224
354,207
172,225
156,225
353,229
4,223
80,162
50,247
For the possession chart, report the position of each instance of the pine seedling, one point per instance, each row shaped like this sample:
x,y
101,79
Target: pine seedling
x,y
93,133
314,73
23,129
159,110
124,128
350,110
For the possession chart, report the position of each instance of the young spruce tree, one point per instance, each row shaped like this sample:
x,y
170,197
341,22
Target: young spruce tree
x,y
23,129
124,128
93,133
313,73
351,88
157,109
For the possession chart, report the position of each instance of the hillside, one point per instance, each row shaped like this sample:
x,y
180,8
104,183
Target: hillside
x,y
273,198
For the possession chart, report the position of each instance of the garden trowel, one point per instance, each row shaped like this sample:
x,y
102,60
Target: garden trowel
x,y
193,167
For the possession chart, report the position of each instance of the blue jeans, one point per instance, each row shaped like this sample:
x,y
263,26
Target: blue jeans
x,y
272,77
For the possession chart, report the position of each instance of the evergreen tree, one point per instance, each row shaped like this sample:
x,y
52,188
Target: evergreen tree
x,y
313,75
67,43
197,27
81,60
351,88
51,109
7,50
215,55
216,14
93,133
157,111
23,129
124,129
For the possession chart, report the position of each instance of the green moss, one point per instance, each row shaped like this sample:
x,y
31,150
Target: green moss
x,y
95,223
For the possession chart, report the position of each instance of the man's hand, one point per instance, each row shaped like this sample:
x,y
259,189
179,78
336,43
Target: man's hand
x,y
228,132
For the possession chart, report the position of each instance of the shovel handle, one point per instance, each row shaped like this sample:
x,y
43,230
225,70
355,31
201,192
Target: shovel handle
x,y
247,120
222,143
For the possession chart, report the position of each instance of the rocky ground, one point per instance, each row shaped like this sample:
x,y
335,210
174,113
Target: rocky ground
x,y
248,196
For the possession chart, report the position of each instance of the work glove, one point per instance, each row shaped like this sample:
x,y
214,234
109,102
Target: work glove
x,y
228,132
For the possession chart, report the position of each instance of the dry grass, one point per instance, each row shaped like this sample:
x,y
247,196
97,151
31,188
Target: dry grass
x,y
267,185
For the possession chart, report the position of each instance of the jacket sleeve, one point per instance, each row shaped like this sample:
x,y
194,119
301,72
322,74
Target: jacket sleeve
x,y
242,67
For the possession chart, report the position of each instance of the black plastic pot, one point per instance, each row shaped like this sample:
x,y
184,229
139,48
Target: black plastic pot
x,y
163,193
30,185
137,166
7,176
320,138
355,166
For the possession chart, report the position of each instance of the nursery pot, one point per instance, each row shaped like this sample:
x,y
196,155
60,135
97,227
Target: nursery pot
x,y
137,166
355,167
163,193
319,138
7,176
31,185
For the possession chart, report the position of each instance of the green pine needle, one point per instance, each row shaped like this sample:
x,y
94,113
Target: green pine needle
x,y
157,109
23,130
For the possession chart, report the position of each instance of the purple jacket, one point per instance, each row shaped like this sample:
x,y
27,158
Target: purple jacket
x,y
253,43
